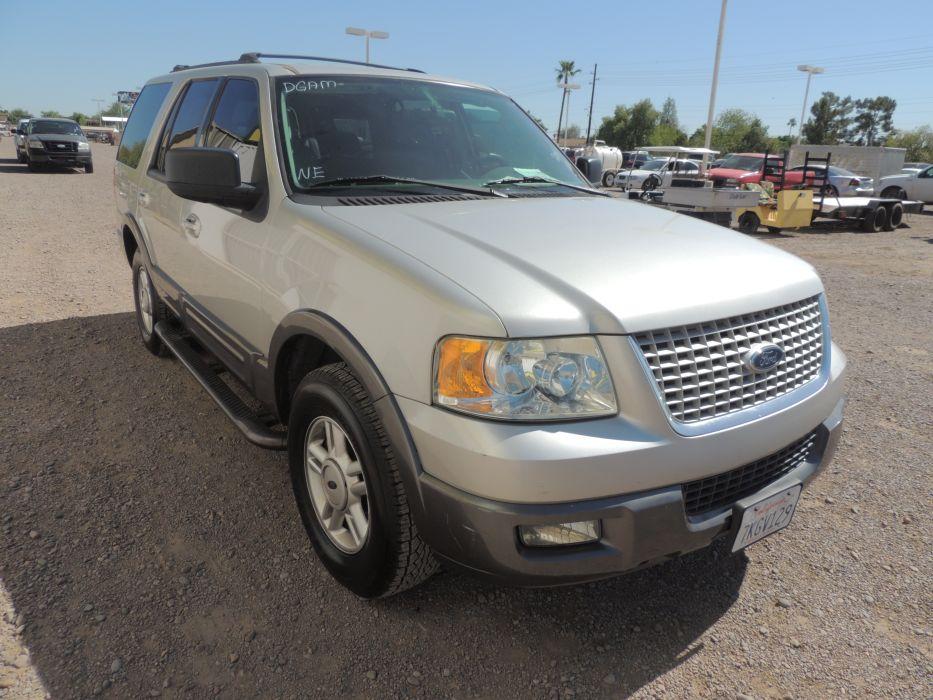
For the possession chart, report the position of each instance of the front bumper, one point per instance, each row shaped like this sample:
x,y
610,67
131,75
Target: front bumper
x,y
52,158
637,529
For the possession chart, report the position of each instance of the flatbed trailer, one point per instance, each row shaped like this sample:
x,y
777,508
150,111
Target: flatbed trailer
x,y
872,213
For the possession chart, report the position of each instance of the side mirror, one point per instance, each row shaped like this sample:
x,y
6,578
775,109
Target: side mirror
x,y
19,132
210,175
591,168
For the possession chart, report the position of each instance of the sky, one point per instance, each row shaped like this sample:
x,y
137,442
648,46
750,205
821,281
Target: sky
x,y
61,55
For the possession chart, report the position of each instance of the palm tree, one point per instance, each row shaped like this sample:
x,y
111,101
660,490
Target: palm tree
x,y
565,71
791,123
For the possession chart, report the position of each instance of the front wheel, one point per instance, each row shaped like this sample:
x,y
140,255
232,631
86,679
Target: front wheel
x,y
749,222
348,488
149,308
894,193
89,167
830,191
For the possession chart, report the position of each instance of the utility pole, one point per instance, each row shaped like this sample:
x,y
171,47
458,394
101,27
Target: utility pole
x,y
589,119
712,94
100,110
563,99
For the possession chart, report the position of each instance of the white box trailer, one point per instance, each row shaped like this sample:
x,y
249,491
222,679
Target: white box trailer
x,y
871,161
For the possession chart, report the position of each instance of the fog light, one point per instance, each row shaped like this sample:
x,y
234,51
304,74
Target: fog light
x,y
557,535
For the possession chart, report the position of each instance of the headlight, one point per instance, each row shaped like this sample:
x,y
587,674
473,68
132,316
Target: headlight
x,y
36,143
84,146
540,379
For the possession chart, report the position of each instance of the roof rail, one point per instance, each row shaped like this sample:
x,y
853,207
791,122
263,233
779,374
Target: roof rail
x,y
183,66
253,57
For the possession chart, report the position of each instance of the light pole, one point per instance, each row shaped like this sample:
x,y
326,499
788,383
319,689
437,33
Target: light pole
x,y
707,140
566,87
810,71
374,34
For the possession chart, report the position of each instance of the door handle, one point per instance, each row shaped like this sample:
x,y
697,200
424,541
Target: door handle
x,y
192,225
143,199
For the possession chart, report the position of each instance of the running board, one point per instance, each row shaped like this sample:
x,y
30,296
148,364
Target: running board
x,y
231,404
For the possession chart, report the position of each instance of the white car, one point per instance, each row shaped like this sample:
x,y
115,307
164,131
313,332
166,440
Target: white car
x,y
657,173
917,185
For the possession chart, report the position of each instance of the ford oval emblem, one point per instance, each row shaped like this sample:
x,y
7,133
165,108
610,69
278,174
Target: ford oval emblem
x,y
763,357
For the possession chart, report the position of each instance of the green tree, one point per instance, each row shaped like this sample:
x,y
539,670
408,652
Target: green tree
x,y
667,135
79,117
572,131
114,110
874,120
830,121
51,114
17,113
668,115
918,142
564,72
629,127
735,131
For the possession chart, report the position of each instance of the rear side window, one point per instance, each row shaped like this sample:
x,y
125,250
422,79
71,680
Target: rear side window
x,y
140,122
235,126
189,117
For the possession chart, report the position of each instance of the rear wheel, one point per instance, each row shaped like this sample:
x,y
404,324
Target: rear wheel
x,y
895,217
894,193
749,222
875,220
348,488
830,191
609,177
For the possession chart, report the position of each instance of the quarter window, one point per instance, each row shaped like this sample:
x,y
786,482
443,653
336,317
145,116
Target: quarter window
x,y
140,123
189,117
235,126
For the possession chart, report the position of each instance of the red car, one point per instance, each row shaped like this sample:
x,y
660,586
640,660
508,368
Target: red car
x,y
740,168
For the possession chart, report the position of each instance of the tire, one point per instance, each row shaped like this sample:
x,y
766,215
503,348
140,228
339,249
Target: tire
x,y
33,167
609,178
20,157
144,295
773,229
382,553
893,193
830,191
89,168
875,220
895,217
749,222
651,183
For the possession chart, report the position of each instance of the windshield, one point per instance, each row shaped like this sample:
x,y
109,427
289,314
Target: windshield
x,y
342,127
751,163
655,164
51,127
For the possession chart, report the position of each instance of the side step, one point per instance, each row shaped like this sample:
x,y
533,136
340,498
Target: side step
x,y
231,404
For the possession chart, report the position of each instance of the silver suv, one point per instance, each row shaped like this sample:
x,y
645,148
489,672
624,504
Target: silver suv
x,y
470,355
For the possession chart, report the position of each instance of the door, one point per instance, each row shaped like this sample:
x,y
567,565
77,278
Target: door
x,y
127,172
160,210
923,186
228,243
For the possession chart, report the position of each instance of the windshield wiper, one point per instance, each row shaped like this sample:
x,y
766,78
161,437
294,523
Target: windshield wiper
x,y
537,179
391,179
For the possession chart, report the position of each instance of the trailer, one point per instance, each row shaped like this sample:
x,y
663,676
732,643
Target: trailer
x,y
692,193
794,208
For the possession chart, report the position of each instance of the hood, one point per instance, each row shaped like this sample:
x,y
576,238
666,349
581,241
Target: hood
x,y
899,177
560,266
730,173
67,138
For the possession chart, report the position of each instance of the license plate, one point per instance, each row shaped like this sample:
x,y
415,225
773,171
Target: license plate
x,y
766,517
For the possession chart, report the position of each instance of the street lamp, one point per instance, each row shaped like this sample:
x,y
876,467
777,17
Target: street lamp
x,y
810,71
567,87
356,31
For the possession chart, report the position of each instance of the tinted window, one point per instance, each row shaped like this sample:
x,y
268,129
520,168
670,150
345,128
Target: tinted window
x,y
235,126
189,116
41,126
140,123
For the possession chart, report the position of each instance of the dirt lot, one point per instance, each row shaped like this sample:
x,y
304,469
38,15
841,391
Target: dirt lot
x,y
148,550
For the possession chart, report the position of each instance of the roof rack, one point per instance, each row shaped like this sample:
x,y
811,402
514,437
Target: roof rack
x,y
254,56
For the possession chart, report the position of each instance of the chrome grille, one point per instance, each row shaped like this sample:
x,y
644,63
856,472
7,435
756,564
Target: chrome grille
x,y
724,489
61,146
699,369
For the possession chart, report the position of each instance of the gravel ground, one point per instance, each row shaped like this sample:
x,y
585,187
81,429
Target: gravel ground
x,y
148,550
